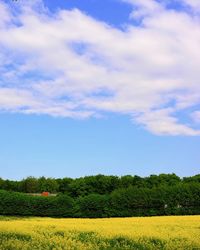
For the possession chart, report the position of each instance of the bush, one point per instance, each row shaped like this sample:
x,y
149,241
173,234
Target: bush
x,y
181,199
93,206
12,203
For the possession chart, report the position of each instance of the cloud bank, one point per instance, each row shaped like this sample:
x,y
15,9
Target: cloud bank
x,y
68,64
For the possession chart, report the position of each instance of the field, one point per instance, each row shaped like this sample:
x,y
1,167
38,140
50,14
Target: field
x,y
173,232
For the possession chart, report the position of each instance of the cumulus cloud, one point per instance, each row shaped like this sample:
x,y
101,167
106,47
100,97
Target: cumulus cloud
x,y
68,64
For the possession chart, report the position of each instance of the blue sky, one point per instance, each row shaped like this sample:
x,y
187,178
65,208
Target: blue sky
x,y
89,87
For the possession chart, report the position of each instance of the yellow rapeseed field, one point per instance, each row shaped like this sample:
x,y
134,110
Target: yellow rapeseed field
x,y
170,232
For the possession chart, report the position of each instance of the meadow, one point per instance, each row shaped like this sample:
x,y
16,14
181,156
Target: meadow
x,y
142,233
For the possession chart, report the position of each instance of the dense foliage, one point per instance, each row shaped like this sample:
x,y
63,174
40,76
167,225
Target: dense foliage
x,y
99,184
102,196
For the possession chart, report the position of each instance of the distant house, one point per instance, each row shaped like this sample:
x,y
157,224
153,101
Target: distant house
x,y
45,194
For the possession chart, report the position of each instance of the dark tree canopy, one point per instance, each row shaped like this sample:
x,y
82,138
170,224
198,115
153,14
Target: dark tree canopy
x,y
102,196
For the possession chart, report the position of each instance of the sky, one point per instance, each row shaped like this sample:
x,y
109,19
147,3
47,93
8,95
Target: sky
x,y
99,87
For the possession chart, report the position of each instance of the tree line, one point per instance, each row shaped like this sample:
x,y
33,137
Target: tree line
x,y
99,184
102,196
180,199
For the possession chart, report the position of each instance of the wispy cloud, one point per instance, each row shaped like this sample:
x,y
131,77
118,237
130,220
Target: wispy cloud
x,y
69,64
194,4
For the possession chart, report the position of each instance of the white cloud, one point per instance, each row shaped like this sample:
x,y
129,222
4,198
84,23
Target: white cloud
x,y
161,122
69,64
196,116
144,8
194,4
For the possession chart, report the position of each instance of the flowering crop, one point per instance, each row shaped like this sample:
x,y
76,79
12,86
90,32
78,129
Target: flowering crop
x,y
170,232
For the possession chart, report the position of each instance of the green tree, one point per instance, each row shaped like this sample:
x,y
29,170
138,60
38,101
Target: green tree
x,y
48,185
30,185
